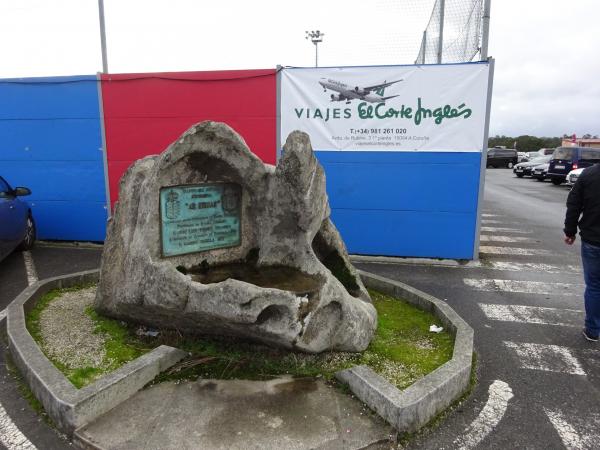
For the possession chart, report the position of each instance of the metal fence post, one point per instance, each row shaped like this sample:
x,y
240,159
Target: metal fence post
x,y
103,36
441,37
485,32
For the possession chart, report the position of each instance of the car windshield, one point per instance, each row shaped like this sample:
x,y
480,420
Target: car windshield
x,y
563,153
542,159
591,154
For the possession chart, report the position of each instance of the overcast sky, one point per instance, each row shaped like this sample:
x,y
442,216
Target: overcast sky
x,y
546,51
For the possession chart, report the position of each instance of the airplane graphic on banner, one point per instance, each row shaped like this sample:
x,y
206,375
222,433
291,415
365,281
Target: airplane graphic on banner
x,y
348,93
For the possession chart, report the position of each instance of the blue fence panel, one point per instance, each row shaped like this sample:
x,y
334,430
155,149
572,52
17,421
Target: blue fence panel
x,y
50,141
421,204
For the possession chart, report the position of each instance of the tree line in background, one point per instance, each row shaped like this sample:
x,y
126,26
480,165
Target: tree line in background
x,y
531,143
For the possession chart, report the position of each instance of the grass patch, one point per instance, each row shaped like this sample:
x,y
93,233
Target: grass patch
x,y
118,346
402,351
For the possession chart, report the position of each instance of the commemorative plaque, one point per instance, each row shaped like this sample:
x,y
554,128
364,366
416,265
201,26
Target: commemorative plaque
x,y
199,217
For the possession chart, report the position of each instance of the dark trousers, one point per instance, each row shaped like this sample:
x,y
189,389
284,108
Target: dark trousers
x,y
590,256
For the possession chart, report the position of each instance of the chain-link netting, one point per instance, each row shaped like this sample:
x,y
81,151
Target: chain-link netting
x,y
459,23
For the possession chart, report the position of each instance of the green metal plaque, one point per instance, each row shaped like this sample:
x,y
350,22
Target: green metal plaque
x,y
199,217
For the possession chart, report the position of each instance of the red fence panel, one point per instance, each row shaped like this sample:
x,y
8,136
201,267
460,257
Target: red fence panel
x,y
144,113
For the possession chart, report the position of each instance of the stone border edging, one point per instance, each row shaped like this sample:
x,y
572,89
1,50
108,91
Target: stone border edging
x,y
413,407
368,259
67,406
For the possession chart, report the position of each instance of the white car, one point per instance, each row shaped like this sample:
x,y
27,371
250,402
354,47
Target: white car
x,y
573,175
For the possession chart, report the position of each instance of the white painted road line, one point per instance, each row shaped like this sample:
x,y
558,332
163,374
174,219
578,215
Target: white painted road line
x,y
504,230
550,358
533,315
493,238
491,414
491,250
523,287
10,436
32,276
570,437
493,221
533,267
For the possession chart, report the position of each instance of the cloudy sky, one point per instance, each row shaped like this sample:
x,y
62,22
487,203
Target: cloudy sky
x,y
546,51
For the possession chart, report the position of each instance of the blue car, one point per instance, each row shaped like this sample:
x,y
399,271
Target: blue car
x,y
565,159
17,227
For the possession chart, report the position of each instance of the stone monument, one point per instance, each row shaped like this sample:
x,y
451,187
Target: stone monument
x,y
207,239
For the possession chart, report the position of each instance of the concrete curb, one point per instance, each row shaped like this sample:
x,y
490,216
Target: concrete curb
x,y
410,409
67,406
414,261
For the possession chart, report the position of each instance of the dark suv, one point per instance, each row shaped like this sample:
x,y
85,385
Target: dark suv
x,y
501,157
565,159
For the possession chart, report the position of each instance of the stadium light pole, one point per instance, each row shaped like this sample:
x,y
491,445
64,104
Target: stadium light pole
x,y
315,37
102,36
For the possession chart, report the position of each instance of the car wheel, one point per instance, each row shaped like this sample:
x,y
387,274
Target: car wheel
x,y
520,175
510,165
539,178
29,239
556,181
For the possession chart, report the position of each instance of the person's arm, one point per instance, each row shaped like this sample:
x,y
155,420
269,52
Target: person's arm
x,y
574,209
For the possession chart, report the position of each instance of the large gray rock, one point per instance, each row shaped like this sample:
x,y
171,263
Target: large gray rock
x,y
288,283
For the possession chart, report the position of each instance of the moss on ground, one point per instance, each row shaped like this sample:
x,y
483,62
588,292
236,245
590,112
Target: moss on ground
x,y
118,346
24,390
402,351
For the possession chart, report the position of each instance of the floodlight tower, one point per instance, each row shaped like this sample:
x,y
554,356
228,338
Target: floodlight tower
x,y
315,37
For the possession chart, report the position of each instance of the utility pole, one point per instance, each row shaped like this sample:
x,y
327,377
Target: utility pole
x,y
441,37
102,36
485,32
315,37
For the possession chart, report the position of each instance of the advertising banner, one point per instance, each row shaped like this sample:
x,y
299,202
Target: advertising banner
x,y
387,108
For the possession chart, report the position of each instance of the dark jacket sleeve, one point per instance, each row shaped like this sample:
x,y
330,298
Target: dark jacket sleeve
x,y
574,207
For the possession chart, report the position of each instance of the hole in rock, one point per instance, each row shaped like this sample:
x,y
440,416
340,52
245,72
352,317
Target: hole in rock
x,y
278,277
273,313
332,259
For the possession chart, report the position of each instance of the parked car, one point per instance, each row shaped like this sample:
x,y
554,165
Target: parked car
x,y
525,168
565,159
572,176
501,157
546,151
540,172
522,157
17,227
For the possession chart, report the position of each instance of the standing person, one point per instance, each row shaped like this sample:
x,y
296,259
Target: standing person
x,y
584,201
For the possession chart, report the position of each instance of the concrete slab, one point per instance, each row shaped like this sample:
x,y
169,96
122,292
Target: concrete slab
x,y
283,413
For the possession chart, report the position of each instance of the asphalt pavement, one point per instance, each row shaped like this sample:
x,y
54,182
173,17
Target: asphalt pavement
x,y
538,379
20,427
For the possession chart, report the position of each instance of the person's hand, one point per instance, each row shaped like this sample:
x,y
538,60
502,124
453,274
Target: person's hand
x,y
569,240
